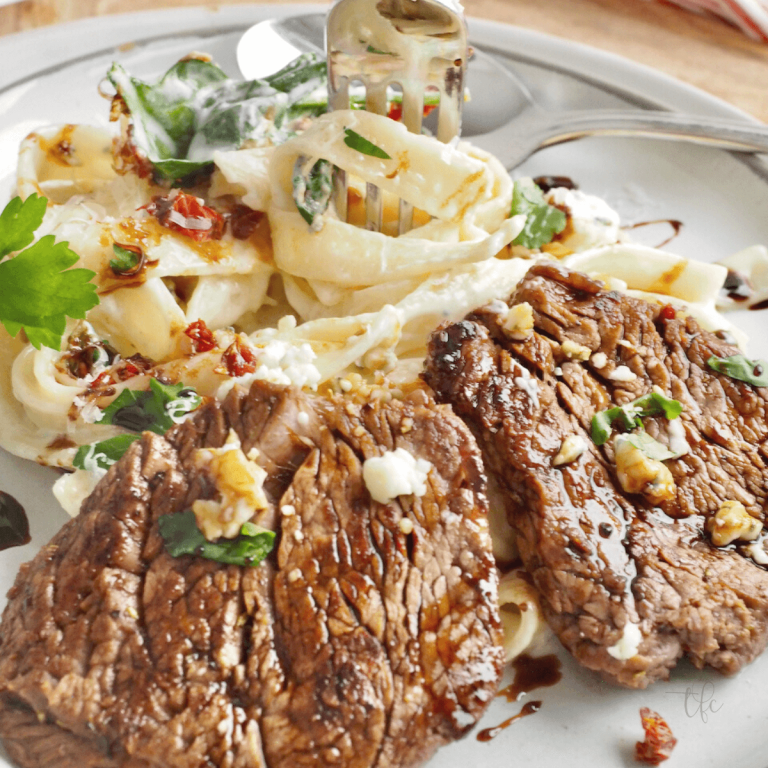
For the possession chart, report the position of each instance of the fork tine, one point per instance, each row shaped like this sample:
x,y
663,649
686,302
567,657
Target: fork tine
x,y
375,101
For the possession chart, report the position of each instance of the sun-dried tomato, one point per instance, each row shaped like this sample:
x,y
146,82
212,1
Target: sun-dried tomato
x,y
201,336
179,209
136,365
244,221
659,741
396,110
237,359
668,312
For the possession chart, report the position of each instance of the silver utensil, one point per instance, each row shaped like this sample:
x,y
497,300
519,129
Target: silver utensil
x,y
413,45
519,126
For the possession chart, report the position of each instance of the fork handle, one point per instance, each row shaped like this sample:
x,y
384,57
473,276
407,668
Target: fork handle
x,y
535,130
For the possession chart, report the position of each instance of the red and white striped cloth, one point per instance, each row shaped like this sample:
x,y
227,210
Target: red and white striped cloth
x,y
751,16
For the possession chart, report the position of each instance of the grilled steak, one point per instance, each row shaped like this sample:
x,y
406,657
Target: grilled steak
x,y
604,559
357,643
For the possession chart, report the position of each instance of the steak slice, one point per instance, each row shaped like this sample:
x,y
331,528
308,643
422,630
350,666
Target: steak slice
x,y
356,643
602,558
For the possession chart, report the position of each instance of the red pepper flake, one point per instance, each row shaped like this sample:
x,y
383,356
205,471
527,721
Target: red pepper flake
x,y
237,359
668,312
659,741
201,335
136,365
179,210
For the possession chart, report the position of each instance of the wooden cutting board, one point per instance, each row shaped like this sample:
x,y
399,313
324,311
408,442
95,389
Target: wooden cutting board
x,y
700,50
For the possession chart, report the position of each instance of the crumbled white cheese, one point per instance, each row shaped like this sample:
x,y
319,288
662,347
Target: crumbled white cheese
x,y
558,371
518,322
757,553
599,360
279,362
678,443
628,644
574,351
638,473
395,473
287,510
239,482
405,525
592,221
573,446
286,323
732,522
529,385
622,373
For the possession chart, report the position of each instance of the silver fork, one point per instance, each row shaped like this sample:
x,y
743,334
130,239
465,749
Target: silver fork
x,y
417,45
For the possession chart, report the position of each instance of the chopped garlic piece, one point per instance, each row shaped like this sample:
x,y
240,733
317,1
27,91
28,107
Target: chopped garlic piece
x,y
396,473
599,359
638,473
628,644
240,483
732,522
518,324
575,351
573,446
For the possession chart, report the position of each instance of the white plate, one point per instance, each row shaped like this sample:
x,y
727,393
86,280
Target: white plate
x,y
721,198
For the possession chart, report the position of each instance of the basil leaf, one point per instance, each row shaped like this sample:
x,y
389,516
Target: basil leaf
x,y
103,454
653,449
355,141
14,526
182,537
754,372
156,410
125,261
195,109
631,414
312,191
543,220
656,404
602,422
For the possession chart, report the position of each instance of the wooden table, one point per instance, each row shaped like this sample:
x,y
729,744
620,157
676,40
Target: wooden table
x,y
703,51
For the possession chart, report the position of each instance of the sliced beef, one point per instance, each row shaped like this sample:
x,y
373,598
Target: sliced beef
x,y
357,643
602,558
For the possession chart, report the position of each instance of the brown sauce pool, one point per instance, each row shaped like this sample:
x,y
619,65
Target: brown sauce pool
x,y
532,673
491,733
14,526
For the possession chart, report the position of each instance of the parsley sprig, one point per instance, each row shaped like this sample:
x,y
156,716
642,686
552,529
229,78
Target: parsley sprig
x,y
38,290
543,220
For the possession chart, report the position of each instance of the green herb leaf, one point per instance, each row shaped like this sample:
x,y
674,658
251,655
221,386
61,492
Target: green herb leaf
x,y
195,109
14,526
103,454
38,291
543,221
653,449
631,414
18,223
356,141
182,537
126,260
312,191
157,409
754,372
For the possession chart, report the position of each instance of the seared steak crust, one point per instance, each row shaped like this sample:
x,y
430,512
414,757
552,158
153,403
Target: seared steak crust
x,y
353,645
601,557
